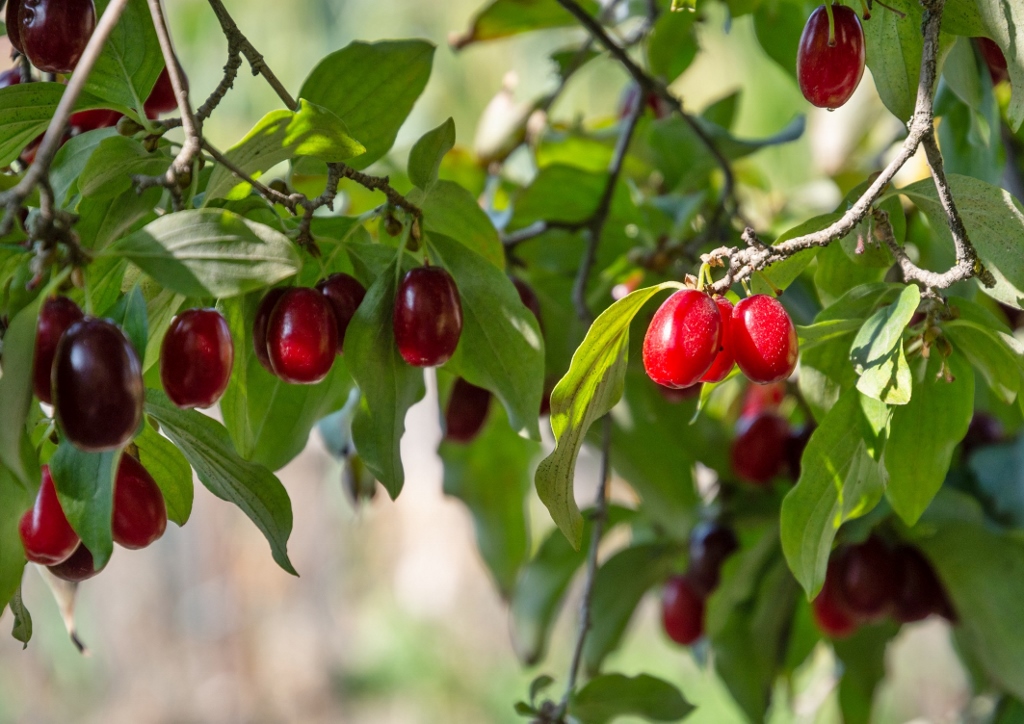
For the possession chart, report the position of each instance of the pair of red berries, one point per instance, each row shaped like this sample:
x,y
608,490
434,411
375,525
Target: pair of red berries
x,y
139,519
868,581
684,597
52,34
694,338
298,331
829,66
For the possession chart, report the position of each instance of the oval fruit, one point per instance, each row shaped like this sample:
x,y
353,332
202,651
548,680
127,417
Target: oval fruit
x,y
140,514
345,293
682,611
829,614
467,411
196,357
830,72
161,99
758,452
97,386
54,33
763,339
12,21
302,336
866,577
710,545
428,317
79,567
55,316
46,535
682,339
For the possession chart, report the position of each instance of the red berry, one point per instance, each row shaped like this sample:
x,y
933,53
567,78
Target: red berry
x,y
830,72
259,326
161,98
466,412
829,614
710,545
46,535
427,317
759,451
10,77
196,358
79,567
97,386
866,577
12,21
55,316
345,293
682,339
763,339
54,33
682,611
91,120
995,60
724,361
140,514
763,398
302,337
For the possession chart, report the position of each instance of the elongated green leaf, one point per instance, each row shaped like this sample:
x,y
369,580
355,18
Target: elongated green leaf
x,y
426,156
25,111
17,500
101,221
372,87
207,447
279,136
503,18
839,480
1004,23
71,160
877,351
450,210
109,170
160,310
170,470
131,59
893,48
608,697
209,253
863,659
501,348
589,389
130,314
924,433
85,487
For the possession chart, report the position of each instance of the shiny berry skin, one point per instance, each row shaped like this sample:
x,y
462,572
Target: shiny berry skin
x,y
763,339
302,337
91,120
46,535
140,514
466,413
12,21
758,452
994,58
682,610
345,293
427,317
259,326
724,360
54,33
10,77
682,339
710,545
830,73
866,577
55,316
161,98
97,386
77,568
196,357
829,613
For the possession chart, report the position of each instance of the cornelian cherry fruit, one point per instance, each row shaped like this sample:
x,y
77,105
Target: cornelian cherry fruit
x,y
829,613
763,339
46,535
55,316
682,610
302,336
724,360
79,567
995,60
710,545
161,98
467,411
683,339
345,293
140,514
54,33
866,577
829,69
84,121
758,452
12,21
427,317
196,358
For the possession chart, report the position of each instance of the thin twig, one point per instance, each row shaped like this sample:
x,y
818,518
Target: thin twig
x,y
289,201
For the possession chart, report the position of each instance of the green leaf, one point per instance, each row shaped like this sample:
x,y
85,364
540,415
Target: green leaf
x,y
893,45
160,310
17,499
606,698
209,253
588,390
672,44
372,87
85,487
877,351
131,60
25,112
22,630
170,470
207,447
72,159
620,583
1004,23
103,220
426,156
389,386
501,348
450,210
783,273
282,135
503,18
839,480
924,433
995,224
130,314
109,169
988,346
863,660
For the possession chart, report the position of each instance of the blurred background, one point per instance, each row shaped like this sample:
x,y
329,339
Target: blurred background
x,y
394,618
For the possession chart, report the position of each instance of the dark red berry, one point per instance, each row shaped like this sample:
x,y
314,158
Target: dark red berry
x,y
345,293
829,72
140,514
682,611
97,386
196,357
55,316
79,567
10,77
763,339
91,120
683,339
302,337
710,545
918,592
528,297
259,326
54,33
866,577
724,360
427,317
983,431
161,98
12,21
829,613
994,58
466,412
758,453
46,535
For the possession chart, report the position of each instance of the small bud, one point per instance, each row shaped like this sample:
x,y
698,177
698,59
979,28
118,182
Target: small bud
x,y
392,226
128,127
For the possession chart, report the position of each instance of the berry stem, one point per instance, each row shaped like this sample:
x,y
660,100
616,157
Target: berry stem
x,y
831,26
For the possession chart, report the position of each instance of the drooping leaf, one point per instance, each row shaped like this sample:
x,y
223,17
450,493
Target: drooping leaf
x,y
85,487
22,630
607,697
450,210
130,314
426,156
17,499
877,351
893,46
131,60
170,470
